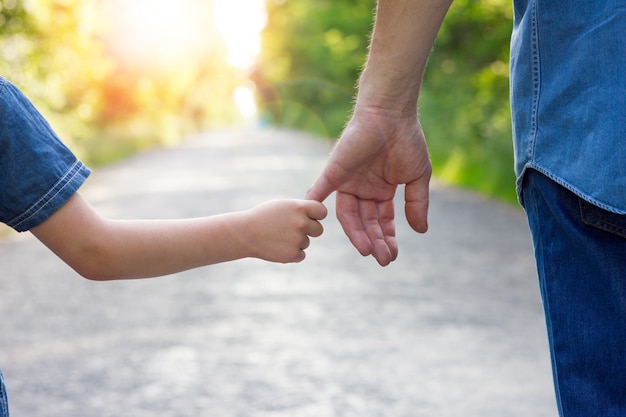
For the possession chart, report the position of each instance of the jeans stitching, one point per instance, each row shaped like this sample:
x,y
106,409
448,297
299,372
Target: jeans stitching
x,y
591,219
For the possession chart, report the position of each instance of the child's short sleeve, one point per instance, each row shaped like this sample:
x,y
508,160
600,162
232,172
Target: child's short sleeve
x,y
38,173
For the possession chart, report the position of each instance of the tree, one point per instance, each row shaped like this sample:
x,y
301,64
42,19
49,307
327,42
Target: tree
x,y
312,54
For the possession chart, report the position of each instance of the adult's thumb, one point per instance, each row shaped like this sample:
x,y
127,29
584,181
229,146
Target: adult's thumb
x,y
416,199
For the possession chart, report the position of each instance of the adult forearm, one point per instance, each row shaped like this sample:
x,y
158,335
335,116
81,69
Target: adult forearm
x,y
403,36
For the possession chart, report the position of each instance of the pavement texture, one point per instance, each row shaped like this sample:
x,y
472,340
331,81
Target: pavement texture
x,y
453,328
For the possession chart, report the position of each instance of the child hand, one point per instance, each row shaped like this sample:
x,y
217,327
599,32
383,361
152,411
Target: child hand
x,y
279,230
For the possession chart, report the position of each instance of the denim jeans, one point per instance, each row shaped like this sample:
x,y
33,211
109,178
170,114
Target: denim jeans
x,y
580,251
4,403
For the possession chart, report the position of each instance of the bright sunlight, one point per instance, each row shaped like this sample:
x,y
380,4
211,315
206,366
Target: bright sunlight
x,y
240,23
166,33
157,32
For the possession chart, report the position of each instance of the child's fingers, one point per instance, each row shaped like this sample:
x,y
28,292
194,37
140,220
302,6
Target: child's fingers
x,y
298,258
316,210
314,229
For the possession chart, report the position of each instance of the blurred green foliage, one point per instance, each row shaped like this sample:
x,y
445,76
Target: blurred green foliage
x,y
464,105
55,51
313,53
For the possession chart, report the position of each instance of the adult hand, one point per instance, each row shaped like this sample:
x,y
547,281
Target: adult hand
x,y
378,150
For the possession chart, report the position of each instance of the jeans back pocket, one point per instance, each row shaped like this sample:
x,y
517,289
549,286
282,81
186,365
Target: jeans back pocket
x,y
602,219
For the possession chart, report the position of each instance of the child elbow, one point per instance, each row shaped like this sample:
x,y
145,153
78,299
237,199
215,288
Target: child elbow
x,y
94,266
93,271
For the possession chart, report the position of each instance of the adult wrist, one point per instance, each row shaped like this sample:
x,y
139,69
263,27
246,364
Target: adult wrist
x,y
386,92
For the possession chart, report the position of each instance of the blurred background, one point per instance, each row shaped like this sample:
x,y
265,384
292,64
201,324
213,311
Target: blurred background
x,y
118,76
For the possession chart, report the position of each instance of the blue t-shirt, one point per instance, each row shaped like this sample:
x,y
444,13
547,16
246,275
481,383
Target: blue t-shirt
x,y
568,95
38,173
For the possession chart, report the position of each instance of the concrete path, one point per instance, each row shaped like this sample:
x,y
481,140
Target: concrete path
x,y
454,328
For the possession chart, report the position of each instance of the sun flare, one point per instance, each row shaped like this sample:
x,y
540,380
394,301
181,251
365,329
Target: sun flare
x,y
240,23
157,32
163,32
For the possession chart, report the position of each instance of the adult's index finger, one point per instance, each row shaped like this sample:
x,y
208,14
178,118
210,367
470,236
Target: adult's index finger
x,y
320,190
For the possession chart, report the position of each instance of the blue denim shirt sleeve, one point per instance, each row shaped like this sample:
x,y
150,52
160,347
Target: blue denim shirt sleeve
x,y
38,173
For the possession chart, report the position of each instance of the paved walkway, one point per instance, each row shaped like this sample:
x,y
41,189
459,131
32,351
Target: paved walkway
x,y
453,328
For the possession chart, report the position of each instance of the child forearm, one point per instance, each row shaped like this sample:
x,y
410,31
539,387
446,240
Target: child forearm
x,y
102,249
149,248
